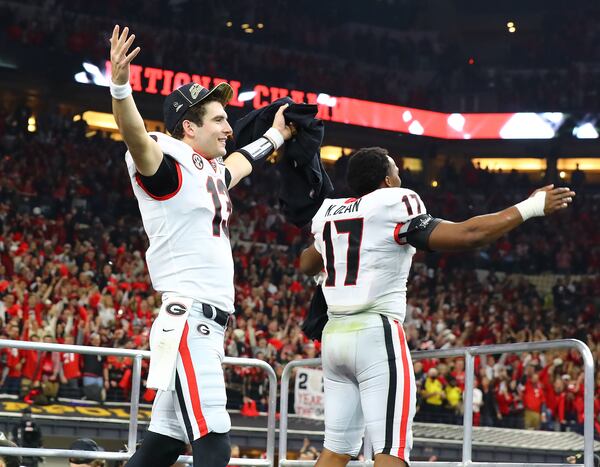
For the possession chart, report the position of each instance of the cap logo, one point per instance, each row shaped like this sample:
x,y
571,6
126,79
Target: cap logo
x,y
195,90
177,106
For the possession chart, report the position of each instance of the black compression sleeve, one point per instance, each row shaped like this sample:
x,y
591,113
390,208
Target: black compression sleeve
x,y
227,177
418,231
166,179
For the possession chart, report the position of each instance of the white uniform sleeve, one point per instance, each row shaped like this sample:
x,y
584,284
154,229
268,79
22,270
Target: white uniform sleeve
x,y
406,205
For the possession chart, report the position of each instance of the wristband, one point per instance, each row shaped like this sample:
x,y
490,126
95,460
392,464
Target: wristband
x,y
258,149
275,137
120,91
532,207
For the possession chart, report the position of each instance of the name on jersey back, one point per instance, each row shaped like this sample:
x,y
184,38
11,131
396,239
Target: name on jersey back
x,y
344,208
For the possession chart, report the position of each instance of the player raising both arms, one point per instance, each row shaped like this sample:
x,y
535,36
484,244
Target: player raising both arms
x,y
366,244
181,184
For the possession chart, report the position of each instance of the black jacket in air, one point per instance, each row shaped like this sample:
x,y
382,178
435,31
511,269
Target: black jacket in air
x,y
305,184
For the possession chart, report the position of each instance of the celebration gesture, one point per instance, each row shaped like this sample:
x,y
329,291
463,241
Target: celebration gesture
x,y
556,198
120,59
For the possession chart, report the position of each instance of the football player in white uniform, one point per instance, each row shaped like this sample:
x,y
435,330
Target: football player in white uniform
x,y
365,247
181,184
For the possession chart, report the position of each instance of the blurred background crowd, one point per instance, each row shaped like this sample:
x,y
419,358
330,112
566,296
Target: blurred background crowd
x,y
423,54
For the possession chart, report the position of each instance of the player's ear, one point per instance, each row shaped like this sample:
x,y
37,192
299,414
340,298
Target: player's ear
x,y
188,128
388,181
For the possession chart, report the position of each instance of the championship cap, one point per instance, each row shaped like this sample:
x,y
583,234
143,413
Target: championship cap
x,y
179,101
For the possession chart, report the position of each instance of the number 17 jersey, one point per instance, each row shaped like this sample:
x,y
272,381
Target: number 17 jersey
x,y
366,257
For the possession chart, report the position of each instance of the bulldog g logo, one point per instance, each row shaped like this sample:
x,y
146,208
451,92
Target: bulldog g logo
x,y
176,309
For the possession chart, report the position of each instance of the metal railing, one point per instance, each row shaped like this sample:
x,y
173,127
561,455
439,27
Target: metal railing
x,y
137,356
469,354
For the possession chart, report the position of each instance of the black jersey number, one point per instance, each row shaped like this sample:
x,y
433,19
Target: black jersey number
x,y
218,222
354,229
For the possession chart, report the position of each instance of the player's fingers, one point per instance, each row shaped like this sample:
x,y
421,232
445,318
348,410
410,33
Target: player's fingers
x,y
123,36
132,55
128,43
281,109
115,35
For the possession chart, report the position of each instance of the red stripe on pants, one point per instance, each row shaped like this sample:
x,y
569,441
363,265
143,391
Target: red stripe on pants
x,y
405,389
192,384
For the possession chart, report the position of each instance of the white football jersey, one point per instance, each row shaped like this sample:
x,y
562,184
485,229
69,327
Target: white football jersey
x,y
366,262
189,252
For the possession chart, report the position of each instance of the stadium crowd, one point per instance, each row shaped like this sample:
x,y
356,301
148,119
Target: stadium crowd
x,y
545,66
72,271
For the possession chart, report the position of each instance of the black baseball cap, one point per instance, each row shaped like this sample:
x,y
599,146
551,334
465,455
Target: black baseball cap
x,y
84,444
179,101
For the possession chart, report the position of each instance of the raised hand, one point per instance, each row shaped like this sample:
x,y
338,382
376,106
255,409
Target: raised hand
x,y
556,198
120,59
287,131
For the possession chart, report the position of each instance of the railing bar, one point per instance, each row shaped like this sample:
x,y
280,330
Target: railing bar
x,y
136,381
468,408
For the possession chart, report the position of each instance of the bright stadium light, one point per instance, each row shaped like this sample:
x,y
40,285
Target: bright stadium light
x,y
510,24
326,99
246,96
92,74
585,131
416,128
562,174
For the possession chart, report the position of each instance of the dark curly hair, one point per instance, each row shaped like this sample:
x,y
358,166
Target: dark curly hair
x,y
367,168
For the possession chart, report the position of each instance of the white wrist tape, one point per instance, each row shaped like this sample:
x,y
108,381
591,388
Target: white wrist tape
x,y
532,207
273,135
120,91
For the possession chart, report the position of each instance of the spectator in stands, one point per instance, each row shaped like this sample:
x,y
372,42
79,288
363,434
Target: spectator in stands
x,y
95,373
453,401
490,413
534,400
477,403
85,444
433,396
70,372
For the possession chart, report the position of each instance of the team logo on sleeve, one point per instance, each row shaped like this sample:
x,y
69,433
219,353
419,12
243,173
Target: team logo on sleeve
x,y
203,329
197,160
176,309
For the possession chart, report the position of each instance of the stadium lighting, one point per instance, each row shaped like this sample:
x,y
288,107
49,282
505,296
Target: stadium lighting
x,y
248,30
245,26
260,25
512,30
92,74
31,124
562,174
326,99
585,131
246,96
228,24
434,184
510,24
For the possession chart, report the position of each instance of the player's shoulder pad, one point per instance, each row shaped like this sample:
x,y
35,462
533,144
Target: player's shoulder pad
x,y
168,144
392,196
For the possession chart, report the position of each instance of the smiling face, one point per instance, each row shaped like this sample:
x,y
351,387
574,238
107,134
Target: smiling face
x,y
209,137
